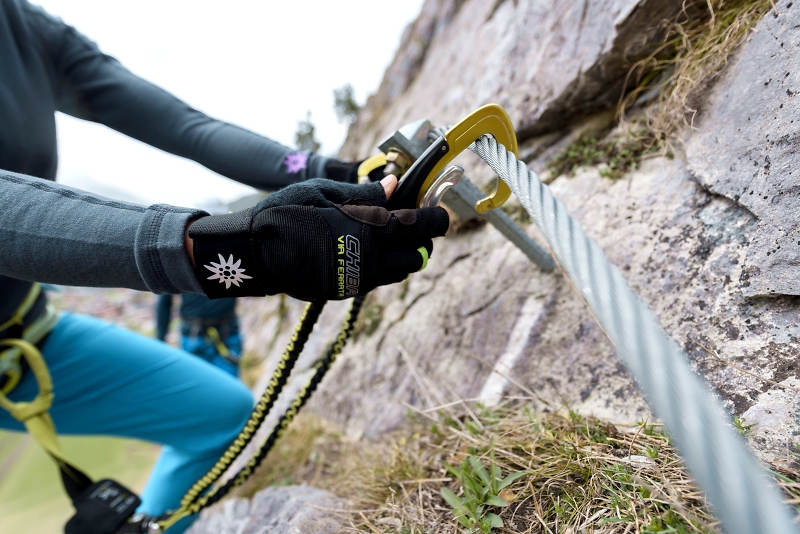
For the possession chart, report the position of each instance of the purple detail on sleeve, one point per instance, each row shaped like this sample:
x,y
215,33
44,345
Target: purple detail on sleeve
x,y
295,162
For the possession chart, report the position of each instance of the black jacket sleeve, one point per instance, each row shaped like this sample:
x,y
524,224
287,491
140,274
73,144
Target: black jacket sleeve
x,y
94,86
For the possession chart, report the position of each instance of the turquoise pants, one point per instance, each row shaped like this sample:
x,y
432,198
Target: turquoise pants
x,y
111,381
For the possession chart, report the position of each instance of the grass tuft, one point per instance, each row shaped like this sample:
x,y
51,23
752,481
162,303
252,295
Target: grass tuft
x,y
696,49
616,156
668,87
501,470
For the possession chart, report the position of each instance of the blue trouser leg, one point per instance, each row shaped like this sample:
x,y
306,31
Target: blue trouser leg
x,y
111,381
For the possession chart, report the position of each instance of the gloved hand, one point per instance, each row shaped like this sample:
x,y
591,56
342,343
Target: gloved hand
x,y
345,171
314,240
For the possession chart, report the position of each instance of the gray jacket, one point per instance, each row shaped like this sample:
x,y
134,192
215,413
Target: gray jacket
x,y
52,233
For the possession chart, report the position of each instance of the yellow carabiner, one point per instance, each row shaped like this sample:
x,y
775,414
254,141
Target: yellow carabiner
x,y
369,165
489,119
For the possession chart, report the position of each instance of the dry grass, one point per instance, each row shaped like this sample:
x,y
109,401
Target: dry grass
x,y
582,474
668,86
695,51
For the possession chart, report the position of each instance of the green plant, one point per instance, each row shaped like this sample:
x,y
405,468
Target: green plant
x,y
344,104
482,489
742,427
576,468
652,451
669,523
305,136
617,155
695,49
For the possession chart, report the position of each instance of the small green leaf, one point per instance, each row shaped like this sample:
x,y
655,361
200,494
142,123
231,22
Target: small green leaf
x,y
452,470
464,521
451,499
480,470
496,501
493,520
511,478
472,487
470,502
496,473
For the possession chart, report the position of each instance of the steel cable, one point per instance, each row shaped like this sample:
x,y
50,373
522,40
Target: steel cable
x,y
737,487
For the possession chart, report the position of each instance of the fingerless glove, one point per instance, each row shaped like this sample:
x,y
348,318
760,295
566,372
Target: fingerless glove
x,y
314,240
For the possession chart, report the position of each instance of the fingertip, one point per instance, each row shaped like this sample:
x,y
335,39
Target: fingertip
x,y
389,185
439,220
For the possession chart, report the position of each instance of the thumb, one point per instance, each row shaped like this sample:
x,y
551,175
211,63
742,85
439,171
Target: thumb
x,y
389,185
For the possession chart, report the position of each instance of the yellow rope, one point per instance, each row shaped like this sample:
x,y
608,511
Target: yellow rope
x,y
249,429
34,414
191,506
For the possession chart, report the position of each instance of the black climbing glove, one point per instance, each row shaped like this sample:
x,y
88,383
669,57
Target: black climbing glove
x,y
314,240
344,171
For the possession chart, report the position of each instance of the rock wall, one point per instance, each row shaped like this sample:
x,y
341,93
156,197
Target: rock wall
x,y
546,62
285,510
709,238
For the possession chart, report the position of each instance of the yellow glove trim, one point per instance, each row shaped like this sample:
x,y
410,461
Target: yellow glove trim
x,y
424,252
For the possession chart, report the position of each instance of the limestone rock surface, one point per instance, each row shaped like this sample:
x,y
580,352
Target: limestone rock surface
x,y
546,62
284,510
481,320
747,148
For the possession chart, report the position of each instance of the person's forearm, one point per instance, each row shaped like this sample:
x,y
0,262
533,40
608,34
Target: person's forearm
x,y
96,87
56,234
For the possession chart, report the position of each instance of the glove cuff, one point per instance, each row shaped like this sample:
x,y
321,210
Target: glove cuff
x,y
225,261
341,171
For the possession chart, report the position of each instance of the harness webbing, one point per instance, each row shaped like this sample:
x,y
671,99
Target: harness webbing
x,y
222,349
24,307
34,415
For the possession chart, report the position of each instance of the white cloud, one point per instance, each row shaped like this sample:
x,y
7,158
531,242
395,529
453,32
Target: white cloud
x,y
260,64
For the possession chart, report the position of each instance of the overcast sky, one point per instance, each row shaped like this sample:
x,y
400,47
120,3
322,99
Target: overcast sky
x,y
260,64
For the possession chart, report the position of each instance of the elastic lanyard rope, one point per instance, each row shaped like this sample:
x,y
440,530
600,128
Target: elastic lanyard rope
x,y
265,403
194,500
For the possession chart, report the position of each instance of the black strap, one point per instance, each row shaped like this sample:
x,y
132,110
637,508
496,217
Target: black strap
x,y
102,508
75,481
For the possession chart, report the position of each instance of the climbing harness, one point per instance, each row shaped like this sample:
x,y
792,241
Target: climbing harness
x,y
418,154
222,349
101,506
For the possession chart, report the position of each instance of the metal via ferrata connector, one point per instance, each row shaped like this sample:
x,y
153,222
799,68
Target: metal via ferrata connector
x,y
443,182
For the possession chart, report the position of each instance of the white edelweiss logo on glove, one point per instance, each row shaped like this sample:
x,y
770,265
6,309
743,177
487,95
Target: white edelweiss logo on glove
x,y
227,272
